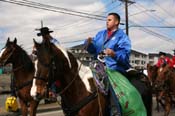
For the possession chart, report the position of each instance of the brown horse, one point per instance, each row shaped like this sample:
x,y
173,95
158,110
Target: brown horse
x,y
79,93
166,78
164,83
152,72
23,70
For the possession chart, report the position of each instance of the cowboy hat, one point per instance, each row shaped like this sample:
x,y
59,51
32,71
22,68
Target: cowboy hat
x,y
162,53
44,31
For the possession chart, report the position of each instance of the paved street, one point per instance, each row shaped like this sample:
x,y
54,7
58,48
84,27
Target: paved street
x,y
53,113
55,110
51,109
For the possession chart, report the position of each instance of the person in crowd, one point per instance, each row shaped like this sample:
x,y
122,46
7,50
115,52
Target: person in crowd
x,y
163,60
45,33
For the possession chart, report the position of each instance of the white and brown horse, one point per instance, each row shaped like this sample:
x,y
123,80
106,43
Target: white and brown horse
x,y
78,91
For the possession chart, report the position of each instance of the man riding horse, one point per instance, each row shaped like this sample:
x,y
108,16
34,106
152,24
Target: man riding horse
x,y
163,60
116,45
45,33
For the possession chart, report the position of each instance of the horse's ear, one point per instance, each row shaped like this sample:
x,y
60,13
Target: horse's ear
x,y
8,39
15,41
35,43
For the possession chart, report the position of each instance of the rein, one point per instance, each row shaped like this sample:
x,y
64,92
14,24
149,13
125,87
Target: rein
x,y
17,68
9,56
76,75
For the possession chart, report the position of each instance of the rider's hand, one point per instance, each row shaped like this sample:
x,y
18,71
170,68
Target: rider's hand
x,y
89,40
109,52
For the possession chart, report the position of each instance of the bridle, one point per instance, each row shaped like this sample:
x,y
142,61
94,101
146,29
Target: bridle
x,y
50,67
50,77
16,69
9,55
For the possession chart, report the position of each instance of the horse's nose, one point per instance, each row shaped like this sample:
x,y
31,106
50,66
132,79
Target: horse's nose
x,y
155,86
38,97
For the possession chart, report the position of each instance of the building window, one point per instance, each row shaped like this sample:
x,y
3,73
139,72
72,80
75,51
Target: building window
x,y
136,55
143,62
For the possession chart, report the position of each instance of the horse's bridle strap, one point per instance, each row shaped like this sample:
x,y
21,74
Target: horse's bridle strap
x,y
41,78
9,55
24,85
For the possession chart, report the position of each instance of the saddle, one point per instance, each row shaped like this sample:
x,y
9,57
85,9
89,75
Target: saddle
x,y
135,74
99,74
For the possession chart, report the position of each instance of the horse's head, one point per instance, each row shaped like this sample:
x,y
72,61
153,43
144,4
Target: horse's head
x,y
43,66
51,64
7,53
152,72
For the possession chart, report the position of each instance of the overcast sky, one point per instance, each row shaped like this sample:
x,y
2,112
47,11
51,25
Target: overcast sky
x,y
21,21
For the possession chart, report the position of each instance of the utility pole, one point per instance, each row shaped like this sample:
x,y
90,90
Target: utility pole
x,y
41,26
126,17
126,14
41,23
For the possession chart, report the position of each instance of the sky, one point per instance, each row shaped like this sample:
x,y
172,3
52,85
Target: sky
x,y
22,21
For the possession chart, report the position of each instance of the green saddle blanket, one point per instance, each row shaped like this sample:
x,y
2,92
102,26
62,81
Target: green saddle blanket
x,y
129,98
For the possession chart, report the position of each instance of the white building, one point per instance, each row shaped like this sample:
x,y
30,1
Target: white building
x,y
138,60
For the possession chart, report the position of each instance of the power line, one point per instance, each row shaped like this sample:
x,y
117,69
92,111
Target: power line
x,y
157,18
152,26
84,15
59,8
89,20
160,36
163,9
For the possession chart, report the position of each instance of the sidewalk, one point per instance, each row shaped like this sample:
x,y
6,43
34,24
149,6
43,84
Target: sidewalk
x,y
41,108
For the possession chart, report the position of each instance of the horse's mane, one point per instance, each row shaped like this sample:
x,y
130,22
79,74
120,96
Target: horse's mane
x,y
25,58
59,50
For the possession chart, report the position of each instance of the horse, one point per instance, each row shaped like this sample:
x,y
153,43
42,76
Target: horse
x,y
79,94
166,78
152,71
166,81
163,80
23,70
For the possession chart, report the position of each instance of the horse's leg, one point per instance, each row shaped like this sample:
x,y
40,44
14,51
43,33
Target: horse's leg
x,y
24,109
157,102
162,94
33,107
167,105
